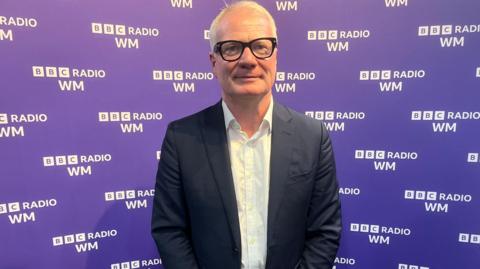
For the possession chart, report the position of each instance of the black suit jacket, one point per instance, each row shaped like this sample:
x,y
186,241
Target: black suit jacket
x,y
195,220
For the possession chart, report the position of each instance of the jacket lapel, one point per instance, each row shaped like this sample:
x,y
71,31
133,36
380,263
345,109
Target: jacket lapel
x,y
215,141
281,148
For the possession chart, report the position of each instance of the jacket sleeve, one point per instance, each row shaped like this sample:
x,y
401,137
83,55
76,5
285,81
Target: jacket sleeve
x,y
170,220
324,216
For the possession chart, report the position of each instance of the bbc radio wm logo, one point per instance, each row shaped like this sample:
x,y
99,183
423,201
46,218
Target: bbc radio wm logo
x,y
473,157
182,81
391,80
137,264
76,165
379,234
10,22
343,262
286,5
450,36
334,120
337,40
396,3
206,34
83,242
444,121
411,266
469,238
126,37
130,122
385,160
134,199
286,81
349,191
16,214
13,125
437,202
181,4
68,79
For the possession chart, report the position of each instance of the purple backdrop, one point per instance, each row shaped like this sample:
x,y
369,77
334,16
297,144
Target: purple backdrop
x,y
88,87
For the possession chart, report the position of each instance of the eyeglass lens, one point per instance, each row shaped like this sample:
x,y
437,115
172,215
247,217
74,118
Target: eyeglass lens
x,y
261,48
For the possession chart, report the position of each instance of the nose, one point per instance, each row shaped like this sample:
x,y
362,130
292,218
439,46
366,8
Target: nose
x,y
247,59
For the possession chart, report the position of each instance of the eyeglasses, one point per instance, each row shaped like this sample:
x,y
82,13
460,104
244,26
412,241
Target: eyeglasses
x,y
232,50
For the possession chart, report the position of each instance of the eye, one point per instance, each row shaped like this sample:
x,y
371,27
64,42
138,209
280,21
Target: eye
x,y
231,48
262,47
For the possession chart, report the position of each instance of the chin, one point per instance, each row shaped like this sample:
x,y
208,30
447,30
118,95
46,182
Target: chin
x,y
251,91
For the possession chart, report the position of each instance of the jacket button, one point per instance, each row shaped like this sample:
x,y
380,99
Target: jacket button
x,y
235,249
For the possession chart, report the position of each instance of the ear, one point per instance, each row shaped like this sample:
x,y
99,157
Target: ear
x,y
213,61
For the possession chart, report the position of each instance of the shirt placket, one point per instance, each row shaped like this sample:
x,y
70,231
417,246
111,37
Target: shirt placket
x,y
250,179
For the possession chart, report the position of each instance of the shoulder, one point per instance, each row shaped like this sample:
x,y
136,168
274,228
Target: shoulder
x,y
302,122
195,120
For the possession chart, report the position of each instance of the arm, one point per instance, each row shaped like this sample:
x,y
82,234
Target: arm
x,y
324,216
170,224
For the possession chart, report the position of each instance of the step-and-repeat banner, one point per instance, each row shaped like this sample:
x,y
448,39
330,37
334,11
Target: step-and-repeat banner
x,y
88,87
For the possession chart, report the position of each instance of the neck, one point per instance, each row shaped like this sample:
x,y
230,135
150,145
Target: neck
x,y
248,111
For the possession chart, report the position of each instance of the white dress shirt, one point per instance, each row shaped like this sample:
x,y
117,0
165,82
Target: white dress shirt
x,y
250,164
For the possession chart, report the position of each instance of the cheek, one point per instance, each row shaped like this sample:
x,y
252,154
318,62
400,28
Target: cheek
x,y
271,71
224,72
219,69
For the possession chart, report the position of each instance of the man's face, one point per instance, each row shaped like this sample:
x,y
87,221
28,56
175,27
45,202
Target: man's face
x,y
248,76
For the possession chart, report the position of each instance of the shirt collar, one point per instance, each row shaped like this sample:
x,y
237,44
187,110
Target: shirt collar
x,y
230,119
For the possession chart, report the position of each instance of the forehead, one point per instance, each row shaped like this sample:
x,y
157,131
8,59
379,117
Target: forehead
x,y
244,24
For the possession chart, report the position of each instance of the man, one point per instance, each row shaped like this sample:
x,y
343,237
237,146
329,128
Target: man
x,y
246,183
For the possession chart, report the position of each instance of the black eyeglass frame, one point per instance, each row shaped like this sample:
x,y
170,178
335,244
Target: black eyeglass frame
x,y
218,45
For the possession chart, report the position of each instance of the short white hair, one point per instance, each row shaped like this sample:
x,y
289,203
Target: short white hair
x,y
240,4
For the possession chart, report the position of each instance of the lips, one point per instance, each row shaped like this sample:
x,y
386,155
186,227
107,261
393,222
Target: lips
x,y
246,77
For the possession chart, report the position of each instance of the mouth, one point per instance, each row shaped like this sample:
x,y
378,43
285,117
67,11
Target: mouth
x,y
247,77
